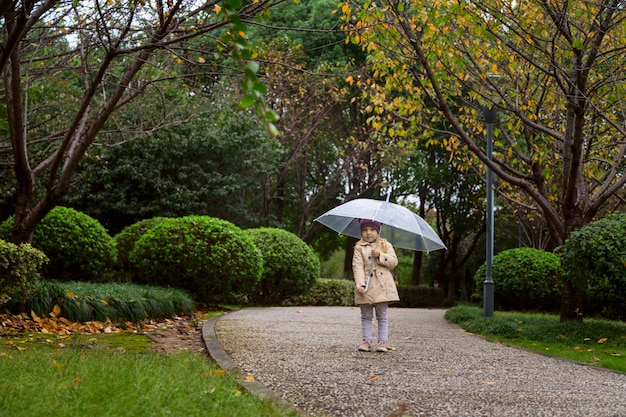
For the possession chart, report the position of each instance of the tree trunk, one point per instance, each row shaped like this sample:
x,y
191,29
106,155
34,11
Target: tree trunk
x,y
571,302
347,260
417,267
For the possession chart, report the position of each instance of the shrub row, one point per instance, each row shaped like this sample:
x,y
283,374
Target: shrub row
x,y
340,292
212,259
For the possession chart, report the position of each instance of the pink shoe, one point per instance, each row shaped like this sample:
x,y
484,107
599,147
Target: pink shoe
x,y
382,347
365,346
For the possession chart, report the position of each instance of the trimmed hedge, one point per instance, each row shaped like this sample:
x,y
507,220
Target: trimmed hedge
x,y
340,292
77,245
290,266
20,267
326,292
420,296
125,242
524,279
210,258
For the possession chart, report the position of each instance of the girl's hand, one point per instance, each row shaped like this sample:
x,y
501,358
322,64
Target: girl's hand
x,y
375,253
361,290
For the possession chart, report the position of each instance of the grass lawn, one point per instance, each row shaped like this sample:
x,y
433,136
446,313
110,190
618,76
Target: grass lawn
x,y
115,375
598,342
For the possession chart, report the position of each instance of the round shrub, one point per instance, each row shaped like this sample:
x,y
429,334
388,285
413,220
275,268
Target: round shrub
x,y
20,267
524,279
210,258
77,245
291,267
594,258
125,241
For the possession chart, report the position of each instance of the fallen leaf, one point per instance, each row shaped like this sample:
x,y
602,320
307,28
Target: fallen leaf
x,y
373,378
488,382
602,340
249,378
35,316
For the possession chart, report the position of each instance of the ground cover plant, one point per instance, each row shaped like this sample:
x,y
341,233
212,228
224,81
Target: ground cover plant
x,y
593,341
118,302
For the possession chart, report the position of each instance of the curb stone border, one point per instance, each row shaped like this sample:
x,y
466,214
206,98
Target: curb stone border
x,y
217,353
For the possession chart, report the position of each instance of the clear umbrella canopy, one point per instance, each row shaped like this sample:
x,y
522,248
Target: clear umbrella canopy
x,y
400,226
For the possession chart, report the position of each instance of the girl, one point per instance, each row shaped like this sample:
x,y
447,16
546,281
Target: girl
x,y
373,260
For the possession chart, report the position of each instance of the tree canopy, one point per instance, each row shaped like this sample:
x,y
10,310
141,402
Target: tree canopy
x,y
551,70
100,56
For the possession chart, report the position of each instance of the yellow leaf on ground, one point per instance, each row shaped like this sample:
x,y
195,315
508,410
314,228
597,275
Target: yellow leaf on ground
x,y
602,340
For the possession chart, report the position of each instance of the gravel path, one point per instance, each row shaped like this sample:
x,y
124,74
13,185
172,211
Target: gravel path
x,y
308,356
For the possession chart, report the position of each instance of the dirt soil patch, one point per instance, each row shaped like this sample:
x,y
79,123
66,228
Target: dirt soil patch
x,y
170,335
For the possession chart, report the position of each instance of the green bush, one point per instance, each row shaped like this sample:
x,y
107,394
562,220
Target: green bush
x,y
290,266
326,292
125,241
77,245
20,267
210,258
87,301
594,258
332,268
524,279
420,296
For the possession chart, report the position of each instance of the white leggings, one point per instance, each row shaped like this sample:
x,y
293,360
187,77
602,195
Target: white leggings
x,y
367,314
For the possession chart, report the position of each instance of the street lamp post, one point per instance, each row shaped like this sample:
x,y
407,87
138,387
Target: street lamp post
x,y
490,114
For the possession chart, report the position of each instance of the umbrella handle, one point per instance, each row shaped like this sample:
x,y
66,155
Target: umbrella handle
x,y
367,284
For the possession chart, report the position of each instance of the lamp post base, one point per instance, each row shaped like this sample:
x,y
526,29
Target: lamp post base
x,y
488,299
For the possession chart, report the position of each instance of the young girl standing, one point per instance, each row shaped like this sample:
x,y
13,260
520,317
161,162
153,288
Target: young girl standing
x,y
373,260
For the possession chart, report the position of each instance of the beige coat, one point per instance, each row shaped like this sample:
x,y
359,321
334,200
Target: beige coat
x,y
382,287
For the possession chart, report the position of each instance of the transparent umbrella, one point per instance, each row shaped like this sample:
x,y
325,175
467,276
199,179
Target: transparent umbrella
x,y
400,226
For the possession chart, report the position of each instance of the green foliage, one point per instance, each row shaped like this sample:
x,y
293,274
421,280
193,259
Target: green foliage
x,y
524,279
20,267
126,239
86,301
211,258
332,268
78,246
594,258
291,267
326,292
209,166
415,296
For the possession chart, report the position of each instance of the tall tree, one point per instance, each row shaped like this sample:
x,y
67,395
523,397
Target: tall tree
x,y
109,53
554,71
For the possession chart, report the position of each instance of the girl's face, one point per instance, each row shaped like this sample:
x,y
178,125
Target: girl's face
x,y
369,234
